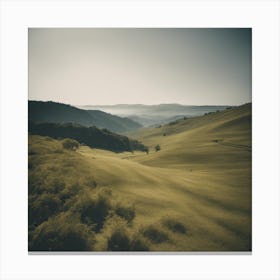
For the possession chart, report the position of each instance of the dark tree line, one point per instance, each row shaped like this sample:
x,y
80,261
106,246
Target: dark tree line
x,y
90,136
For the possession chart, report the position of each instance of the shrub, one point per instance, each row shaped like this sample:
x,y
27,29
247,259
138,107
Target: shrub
x,y
116,234
175,226
59,234
70,144
138,244
90,182
155,235
43,207
119,241
125,212
157,148
68,195
94,210
119,237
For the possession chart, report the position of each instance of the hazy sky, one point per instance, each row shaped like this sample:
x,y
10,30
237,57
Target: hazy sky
x,y
149,66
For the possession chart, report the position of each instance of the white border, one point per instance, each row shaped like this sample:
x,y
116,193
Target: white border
x,y
262,16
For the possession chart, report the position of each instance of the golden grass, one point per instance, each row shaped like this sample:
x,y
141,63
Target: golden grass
x,y
200,179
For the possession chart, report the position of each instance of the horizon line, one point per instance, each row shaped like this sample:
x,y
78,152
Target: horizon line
x,y
141,104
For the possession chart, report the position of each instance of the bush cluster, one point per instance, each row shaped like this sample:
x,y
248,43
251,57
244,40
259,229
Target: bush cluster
x,y
155,235
71,212
120,237
68,218
62,234
70,144
174,225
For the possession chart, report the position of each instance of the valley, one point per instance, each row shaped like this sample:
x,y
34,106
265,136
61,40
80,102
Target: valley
x,y
193,194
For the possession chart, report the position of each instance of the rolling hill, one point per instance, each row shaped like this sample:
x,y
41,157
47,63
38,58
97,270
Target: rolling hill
x,y
151,115
192,195
52,112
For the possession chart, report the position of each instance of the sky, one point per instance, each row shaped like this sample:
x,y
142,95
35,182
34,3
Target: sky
x,y
104,66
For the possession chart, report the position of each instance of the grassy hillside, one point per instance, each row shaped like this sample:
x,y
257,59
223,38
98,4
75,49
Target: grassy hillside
x,y
201,141
192,195
52,112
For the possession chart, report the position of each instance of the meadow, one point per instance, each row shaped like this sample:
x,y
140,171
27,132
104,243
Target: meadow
x,y
192,193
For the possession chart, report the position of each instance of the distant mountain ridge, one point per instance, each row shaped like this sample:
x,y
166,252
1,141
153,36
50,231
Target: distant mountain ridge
x,y
53,112
149,115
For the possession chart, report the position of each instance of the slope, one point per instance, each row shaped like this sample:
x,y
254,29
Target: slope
x,y
192,195
112,122
53,112
212,140
154,114
91,136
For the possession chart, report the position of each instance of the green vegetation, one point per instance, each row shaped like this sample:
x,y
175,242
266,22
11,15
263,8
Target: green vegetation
x,y
67,210
70,144
193,195
155,235
53,112
91,136
157,148
174,225
127,212
61,234
94,209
